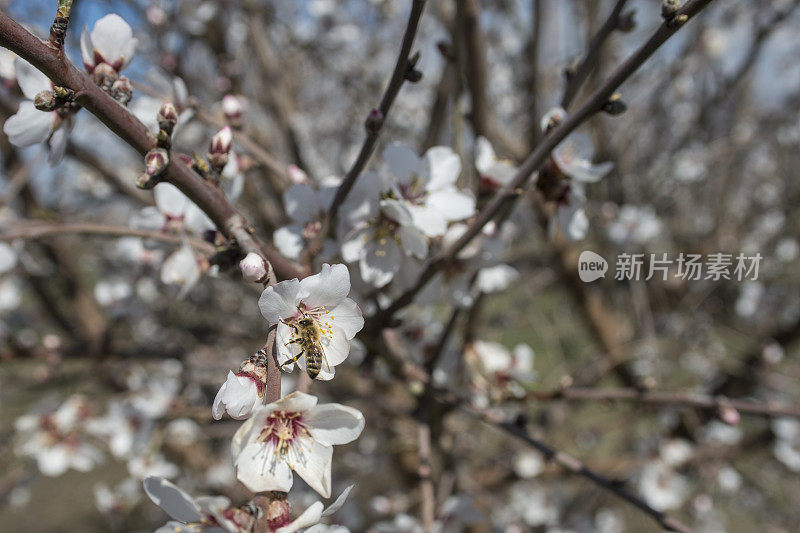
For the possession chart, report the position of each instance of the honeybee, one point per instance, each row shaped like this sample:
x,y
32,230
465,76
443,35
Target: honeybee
x,y
308,336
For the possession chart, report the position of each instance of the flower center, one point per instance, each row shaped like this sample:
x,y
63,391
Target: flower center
x,y
283,429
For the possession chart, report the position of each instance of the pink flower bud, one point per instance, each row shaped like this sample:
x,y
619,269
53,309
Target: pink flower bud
x,y
231,107
221,142
156,161
296,174
167,116
729,415
254,268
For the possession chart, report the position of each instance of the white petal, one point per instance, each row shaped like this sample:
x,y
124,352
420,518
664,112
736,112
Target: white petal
x,y
397,211
354,242
170,200
260,469
8,258
87,50
249,430
404,163
484,155
335,506
238,395
315,469
300,201
332,423
444,166
30,80
28,126
181,269
289,241
453,204
336,347
111,38
58,145
175,502
347,315
413,242
279,301
53,461
380,261
329,288
309,517
496,278
296,402
428,220
196,220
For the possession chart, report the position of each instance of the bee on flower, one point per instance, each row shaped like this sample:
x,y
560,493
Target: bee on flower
x,y
315,320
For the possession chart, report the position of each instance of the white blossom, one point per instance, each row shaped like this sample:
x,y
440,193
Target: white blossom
x,y
111,42
427,187
29,126
58,440
293,433
205,513
239,395
323,299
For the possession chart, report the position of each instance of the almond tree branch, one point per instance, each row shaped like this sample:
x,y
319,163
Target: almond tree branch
x,y
208,197
590,61
35,230
511,192
685,399
374,126
562,459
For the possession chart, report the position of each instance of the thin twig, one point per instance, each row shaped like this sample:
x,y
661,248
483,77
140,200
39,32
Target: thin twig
x,y
686,399
374,128
35,230
511,192
208,197
589,62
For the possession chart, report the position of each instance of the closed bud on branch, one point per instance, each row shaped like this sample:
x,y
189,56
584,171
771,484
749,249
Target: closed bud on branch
x,y
615,105
156,161
232,109
220,147
669,8
627,21
167,117
254,268
145,181
374,121
122,90
104,75
46,101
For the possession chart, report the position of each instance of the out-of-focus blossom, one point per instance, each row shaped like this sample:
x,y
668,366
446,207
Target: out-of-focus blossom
x,y
173,211
306,207
662,487
181,269
635,225
58,440
426,186
383,241
293,433
111,42
564,176
322,300
495,172
29,126
209,514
